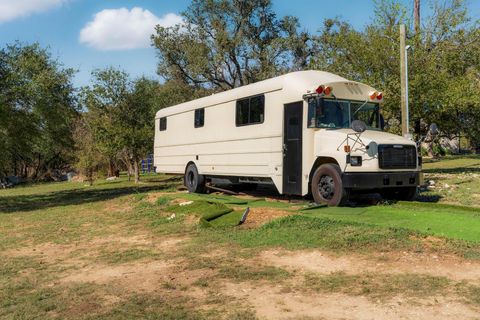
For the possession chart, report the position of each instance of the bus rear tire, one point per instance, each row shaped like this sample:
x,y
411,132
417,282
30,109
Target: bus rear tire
x,y
194,182
327,186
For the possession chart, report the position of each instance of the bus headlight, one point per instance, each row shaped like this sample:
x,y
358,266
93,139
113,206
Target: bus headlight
x,y
355,161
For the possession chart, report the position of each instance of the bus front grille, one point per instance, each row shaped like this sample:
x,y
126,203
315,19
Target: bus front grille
x,y
395,156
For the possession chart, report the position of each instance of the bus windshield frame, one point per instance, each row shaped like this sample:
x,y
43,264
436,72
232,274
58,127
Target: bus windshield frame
x,y
339,114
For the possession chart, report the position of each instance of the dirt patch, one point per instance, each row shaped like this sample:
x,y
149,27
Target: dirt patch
x,y
152,197
273,302
145,277
116,206
393,262
49,251
259,216
71,254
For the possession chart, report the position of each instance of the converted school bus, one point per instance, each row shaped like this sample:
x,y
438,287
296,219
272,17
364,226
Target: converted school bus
x,y
292,131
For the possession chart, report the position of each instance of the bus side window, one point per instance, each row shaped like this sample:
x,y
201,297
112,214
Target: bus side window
x,y
163,124
250,111
199,119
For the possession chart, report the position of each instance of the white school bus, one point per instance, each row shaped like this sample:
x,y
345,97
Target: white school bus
x,y
293,131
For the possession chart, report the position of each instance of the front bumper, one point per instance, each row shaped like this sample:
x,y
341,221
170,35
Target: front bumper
x,y
378,180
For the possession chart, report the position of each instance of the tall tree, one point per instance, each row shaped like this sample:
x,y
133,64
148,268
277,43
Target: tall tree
x,y
88,157
107,93
444,67
416,15
37,107
224,44
119,114
134,122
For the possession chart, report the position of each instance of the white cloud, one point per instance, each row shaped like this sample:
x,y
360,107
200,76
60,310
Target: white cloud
x,y
12,9
121,29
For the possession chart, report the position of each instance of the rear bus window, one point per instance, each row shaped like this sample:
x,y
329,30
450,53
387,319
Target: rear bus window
x,y
163,124
250,111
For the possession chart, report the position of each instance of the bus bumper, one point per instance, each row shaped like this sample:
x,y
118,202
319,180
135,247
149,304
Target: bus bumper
x,y
379,180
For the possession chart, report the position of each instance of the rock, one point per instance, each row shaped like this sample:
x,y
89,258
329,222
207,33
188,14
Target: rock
x,y
431,182
186,203
446,185
111,178
171,217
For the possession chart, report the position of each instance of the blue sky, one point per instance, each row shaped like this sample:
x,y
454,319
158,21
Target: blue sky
x,y
113,33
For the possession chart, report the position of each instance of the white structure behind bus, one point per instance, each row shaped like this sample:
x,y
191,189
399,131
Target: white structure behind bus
x,y
282,130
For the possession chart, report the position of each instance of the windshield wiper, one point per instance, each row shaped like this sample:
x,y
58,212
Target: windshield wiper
x,y
360,107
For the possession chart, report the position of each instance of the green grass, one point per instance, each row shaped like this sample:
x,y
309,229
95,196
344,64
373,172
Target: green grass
x,y
378,286
299,231
254,272
454,222
456,180
453,164
74,214
116,256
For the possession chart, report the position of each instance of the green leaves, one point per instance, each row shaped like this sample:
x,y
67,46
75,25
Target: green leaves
x,y
224,44
444,66
37,106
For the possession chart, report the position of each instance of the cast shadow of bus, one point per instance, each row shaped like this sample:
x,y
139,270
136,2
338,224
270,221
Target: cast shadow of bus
x,y
25,203
356,199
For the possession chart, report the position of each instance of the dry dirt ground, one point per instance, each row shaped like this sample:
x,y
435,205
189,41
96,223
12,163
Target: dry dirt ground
x,y
172,269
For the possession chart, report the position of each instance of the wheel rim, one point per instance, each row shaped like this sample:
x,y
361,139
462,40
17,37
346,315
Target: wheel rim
x,y
326,187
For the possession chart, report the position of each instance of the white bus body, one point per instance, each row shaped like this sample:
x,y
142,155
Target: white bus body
x,y
298,131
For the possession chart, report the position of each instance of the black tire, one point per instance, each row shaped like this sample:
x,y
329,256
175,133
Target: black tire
x,y
193,181
327,186
399,193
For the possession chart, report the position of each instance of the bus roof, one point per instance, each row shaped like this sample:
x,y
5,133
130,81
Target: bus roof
x,y
296,83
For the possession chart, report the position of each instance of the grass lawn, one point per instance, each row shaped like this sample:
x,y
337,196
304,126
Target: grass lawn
x,y
122,251
456,180
448,221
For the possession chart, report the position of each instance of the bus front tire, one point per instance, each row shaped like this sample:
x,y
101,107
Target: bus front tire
x,y
327,186
194,182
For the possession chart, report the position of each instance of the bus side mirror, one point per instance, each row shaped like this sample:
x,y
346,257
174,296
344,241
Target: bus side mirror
x,y
358,126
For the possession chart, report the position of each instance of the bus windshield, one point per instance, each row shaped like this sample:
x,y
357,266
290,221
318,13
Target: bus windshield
x,y
328,113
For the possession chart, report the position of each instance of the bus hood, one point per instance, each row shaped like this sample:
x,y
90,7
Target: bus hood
x,y
331,143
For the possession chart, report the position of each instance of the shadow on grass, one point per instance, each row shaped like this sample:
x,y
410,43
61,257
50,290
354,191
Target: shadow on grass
x,y
72,197
428,197
454,170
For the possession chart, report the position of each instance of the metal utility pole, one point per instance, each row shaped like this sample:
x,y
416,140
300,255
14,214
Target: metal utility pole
x,y
403,81
416,15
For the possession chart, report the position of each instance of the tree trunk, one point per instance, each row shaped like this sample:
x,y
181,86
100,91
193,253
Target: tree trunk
x,y
90,176
111,168
416,15
129,169
136,171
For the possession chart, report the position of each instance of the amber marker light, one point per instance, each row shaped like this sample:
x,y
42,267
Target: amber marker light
x,y
373,95
346,149
327,90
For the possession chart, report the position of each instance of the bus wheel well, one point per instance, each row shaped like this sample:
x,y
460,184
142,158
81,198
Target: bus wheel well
x,y
318,162
189,163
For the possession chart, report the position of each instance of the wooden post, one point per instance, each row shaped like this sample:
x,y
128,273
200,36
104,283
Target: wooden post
x,y
403,81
